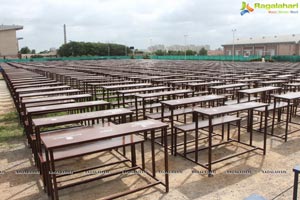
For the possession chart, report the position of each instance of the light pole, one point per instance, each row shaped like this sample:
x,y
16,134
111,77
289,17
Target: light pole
x,y
233,32
108,49
185,36
18,39
150,48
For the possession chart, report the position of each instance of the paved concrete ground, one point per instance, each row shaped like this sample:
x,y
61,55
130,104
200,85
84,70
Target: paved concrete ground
x,y
235,179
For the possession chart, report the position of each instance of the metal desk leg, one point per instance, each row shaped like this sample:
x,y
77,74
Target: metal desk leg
x,y
172,133
196,136
287,120
265,131
166,159
296,178
210,146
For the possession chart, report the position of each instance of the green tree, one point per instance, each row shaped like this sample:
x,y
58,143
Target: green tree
x,y
45,51
160,52
92,49
191,53
203,52
25,50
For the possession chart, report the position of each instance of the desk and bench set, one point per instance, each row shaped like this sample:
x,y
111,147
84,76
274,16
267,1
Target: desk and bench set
x,y
190,111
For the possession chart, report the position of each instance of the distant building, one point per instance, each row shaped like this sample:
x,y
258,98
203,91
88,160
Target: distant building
x,y
188,47
216,52
8,40
178,47
53,49
156,47
265,45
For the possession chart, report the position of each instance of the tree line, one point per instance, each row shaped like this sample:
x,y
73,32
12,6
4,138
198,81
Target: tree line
x,y
202,52
107,49
92,49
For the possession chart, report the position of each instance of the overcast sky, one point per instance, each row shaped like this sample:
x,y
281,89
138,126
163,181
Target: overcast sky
x,y
136,22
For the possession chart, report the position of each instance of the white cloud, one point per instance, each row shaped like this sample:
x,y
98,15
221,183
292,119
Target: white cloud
x,y
135,22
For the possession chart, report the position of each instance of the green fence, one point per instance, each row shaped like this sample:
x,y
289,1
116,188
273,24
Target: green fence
x,y
67,58
286,58
213,58
216,58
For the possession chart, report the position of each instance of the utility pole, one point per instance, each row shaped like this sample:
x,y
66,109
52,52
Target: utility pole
x,y
185,36
65,34
150,48
108,49
233,53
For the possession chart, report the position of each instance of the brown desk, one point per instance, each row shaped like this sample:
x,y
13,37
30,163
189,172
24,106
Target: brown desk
x,y
56,142
42,89
224,110
167,94
255,91
289,97
139,90
33,111
107,89
172,104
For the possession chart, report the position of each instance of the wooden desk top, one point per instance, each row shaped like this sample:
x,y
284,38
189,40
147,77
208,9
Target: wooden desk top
x,y
58,120
34,89
89,134
65,106
288,96
229,86
49,93
126,86
38,85
230,108
158,94
64,97
206,83
191,100
258,90
142,89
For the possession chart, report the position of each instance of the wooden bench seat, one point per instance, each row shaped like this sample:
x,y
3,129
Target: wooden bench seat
x,y
128,101
271,106
48,103
200,93
205,123
148,106
243,100
94,147
168,114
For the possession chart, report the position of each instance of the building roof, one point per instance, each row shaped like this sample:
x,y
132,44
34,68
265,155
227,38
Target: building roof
x,y
10,27
267,39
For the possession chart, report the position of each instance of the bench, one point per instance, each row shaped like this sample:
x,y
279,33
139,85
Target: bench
x,y
270,107
243,100
168,114
199,93
148,106
91,148
205,124
48,103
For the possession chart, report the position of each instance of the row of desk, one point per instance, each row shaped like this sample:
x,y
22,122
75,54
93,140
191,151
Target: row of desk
x,y
146,101
98,128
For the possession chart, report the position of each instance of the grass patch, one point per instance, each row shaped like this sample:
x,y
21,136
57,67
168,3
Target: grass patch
x,y
9,127
9,117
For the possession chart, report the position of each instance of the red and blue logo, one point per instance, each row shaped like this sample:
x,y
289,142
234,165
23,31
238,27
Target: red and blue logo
x,y
246,8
